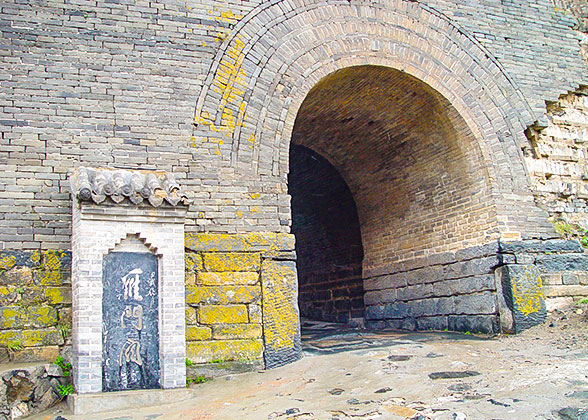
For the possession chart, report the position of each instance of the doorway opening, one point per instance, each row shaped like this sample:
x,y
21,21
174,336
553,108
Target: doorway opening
x,y
386,178
329,250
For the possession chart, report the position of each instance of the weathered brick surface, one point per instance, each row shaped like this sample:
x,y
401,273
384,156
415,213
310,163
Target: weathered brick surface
x,y
217,91
225,315
35,303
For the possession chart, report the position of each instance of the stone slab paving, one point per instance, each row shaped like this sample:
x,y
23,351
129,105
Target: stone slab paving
x,y
355,374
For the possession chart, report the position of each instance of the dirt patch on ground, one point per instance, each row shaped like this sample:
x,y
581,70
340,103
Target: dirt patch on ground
x,y
566,328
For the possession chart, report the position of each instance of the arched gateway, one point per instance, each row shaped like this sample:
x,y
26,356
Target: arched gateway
x,y
253,163
391,111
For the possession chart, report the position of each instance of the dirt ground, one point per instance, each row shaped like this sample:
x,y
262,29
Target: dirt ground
x,y
349,374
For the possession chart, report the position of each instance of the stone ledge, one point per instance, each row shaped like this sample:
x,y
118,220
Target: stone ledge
x,y
565,290
124,400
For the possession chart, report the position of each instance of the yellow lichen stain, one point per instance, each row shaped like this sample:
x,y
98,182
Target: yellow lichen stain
x,y
9,317
239,214
237,331
223,314
26,317
197,333
251,140
255,196
51,268
54,295
31,338
226,350
43,315
228,278
7,292
527,292
193,262
230,82
35,257
228,16
51,259
231,261
279,312
7,262
224,242
222,294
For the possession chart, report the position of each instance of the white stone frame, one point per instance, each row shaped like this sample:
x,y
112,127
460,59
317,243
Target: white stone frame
x,y
97,230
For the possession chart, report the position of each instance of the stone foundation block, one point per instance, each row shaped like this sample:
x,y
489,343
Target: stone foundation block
x,y
228,314
30,354
13,317
227,278
523,296
221,295
231,261
212,370
485,324
195,333
193,262
280,312
191,316
477,303
236,331
438,323
250,242
32,338
224,350
390,311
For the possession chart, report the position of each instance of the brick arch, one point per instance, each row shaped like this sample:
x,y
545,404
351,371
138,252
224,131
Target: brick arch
x,y
278,53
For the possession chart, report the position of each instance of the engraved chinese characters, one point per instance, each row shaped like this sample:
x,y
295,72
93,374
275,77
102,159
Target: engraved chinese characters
x,y
130,336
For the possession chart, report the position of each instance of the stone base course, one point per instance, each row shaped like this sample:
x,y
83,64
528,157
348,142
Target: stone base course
x,y
35,304
492,288
241,300
124,400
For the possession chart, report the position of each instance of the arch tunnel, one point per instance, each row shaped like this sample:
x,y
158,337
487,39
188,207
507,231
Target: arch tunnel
x,y
383,171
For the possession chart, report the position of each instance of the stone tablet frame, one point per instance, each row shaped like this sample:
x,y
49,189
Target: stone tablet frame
x,y
99,229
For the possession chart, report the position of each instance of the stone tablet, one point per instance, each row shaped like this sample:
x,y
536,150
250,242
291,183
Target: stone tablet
x,y
130,332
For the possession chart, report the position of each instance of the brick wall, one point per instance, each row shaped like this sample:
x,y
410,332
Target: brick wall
x,y
328,239
118,84
241,300
35,304
210,90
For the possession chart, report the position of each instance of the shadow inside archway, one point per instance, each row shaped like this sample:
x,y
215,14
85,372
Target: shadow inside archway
x,y
329,338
